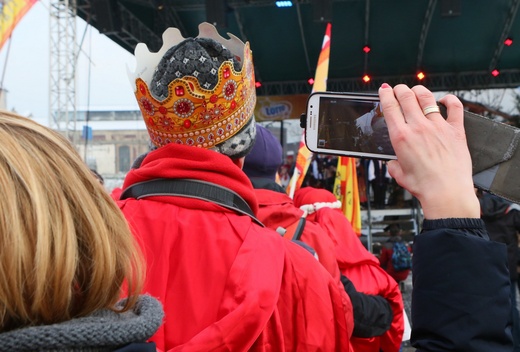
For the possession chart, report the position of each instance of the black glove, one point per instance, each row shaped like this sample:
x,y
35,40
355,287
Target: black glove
x,y
372,314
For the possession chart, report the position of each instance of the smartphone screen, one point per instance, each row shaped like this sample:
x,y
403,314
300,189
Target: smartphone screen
x,y
347,124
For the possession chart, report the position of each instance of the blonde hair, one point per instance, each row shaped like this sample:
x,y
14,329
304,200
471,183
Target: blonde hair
x,y
65,248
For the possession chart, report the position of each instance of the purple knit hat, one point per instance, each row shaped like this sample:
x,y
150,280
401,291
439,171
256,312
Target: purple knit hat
x,y
266,156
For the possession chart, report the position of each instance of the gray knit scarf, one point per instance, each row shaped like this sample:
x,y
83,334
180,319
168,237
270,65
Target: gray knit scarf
x,y
104,330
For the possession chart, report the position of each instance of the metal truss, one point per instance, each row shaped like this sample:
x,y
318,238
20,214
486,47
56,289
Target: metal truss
x,y
133,31
434,82
62,82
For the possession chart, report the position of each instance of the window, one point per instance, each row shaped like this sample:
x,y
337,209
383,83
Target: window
x,y
124,158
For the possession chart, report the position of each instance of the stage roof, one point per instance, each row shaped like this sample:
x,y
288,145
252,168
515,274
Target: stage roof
x,y
456,43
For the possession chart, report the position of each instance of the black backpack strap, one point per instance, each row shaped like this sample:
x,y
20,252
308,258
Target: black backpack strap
x,y
192,189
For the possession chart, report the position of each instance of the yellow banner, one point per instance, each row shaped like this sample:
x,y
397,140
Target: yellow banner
x,y
12,13
346,190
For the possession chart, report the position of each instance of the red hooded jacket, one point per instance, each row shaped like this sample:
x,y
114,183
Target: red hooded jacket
x,y
226,283
277,209
359,265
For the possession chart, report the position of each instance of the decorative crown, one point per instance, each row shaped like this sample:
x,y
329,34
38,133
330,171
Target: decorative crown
x,y
191,114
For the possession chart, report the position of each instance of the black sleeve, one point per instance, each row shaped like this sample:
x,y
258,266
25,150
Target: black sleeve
x,y
372,314
465,227
461,290
516,213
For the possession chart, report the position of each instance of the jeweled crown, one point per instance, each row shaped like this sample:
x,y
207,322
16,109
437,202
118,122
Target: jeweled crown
x,y
192,114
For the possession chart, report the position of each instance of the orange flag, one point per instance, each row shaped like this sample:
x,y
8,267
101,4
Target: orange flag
x,y
303,159
346,190
12,13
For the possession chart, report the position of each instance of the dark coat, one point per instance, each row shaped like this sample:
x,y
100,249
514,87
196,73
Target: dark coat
x,y
502,219
459,272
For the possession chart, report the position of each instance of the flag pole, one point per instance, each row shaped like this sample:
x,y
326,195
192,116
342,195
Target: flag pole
x,y
303,159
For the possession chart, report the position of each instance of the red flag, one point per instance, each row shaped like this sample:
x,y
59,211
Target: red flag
x,y
12,13
303,159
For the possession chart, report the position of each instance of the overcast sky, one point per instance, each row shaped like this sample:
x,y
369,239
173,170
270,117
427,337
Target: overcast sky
x,y
24,67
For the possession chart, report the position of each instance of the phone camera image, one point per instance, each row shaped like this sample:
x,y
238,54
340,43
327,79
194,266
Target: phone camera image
x,y
353,125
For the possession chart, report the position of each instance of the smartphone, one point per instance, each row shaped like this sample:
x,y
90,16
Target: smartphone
x,y
349,124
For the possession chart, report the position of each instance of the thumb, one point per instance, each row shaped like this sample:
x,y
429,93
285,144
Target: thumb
x,y
394,169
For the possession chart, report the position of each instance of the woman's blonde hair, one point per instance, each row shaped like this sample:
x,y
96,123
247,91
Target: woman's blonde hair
x,y
65,248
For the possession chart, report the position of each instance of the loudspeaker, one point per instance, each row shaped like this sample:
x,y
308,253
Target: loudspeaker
x,y
322,10
216,13
450,8
108,18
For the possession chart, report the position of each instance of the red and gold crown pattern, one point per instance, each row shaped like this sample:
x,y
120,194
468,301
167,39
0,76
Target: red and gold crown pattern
x,y
195,116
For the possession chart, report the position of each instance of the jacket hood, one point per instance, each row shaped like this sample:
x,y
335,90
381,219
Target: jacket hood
x,y
175,161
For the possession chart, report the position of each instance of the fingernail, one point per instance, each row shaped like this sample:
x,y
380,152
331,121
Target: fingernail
x,y
385,85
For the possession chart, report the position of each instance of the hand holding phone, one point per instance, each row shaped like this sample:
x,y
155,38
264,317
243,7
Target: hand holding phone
x,y
433,160
349,124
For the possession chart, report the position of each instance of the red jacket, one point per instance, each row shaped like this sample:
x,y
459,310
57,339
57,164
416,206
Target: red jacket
x,y
362,268
226,283
277,209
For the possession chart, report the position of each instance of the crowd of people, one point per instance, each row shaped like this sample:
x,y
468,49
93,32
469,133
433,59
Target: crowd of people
x,y
376,187
201,250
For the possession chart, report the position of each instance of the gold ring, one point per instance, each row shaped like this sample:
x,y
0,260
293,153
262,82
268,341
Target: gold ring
x,y
429,109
